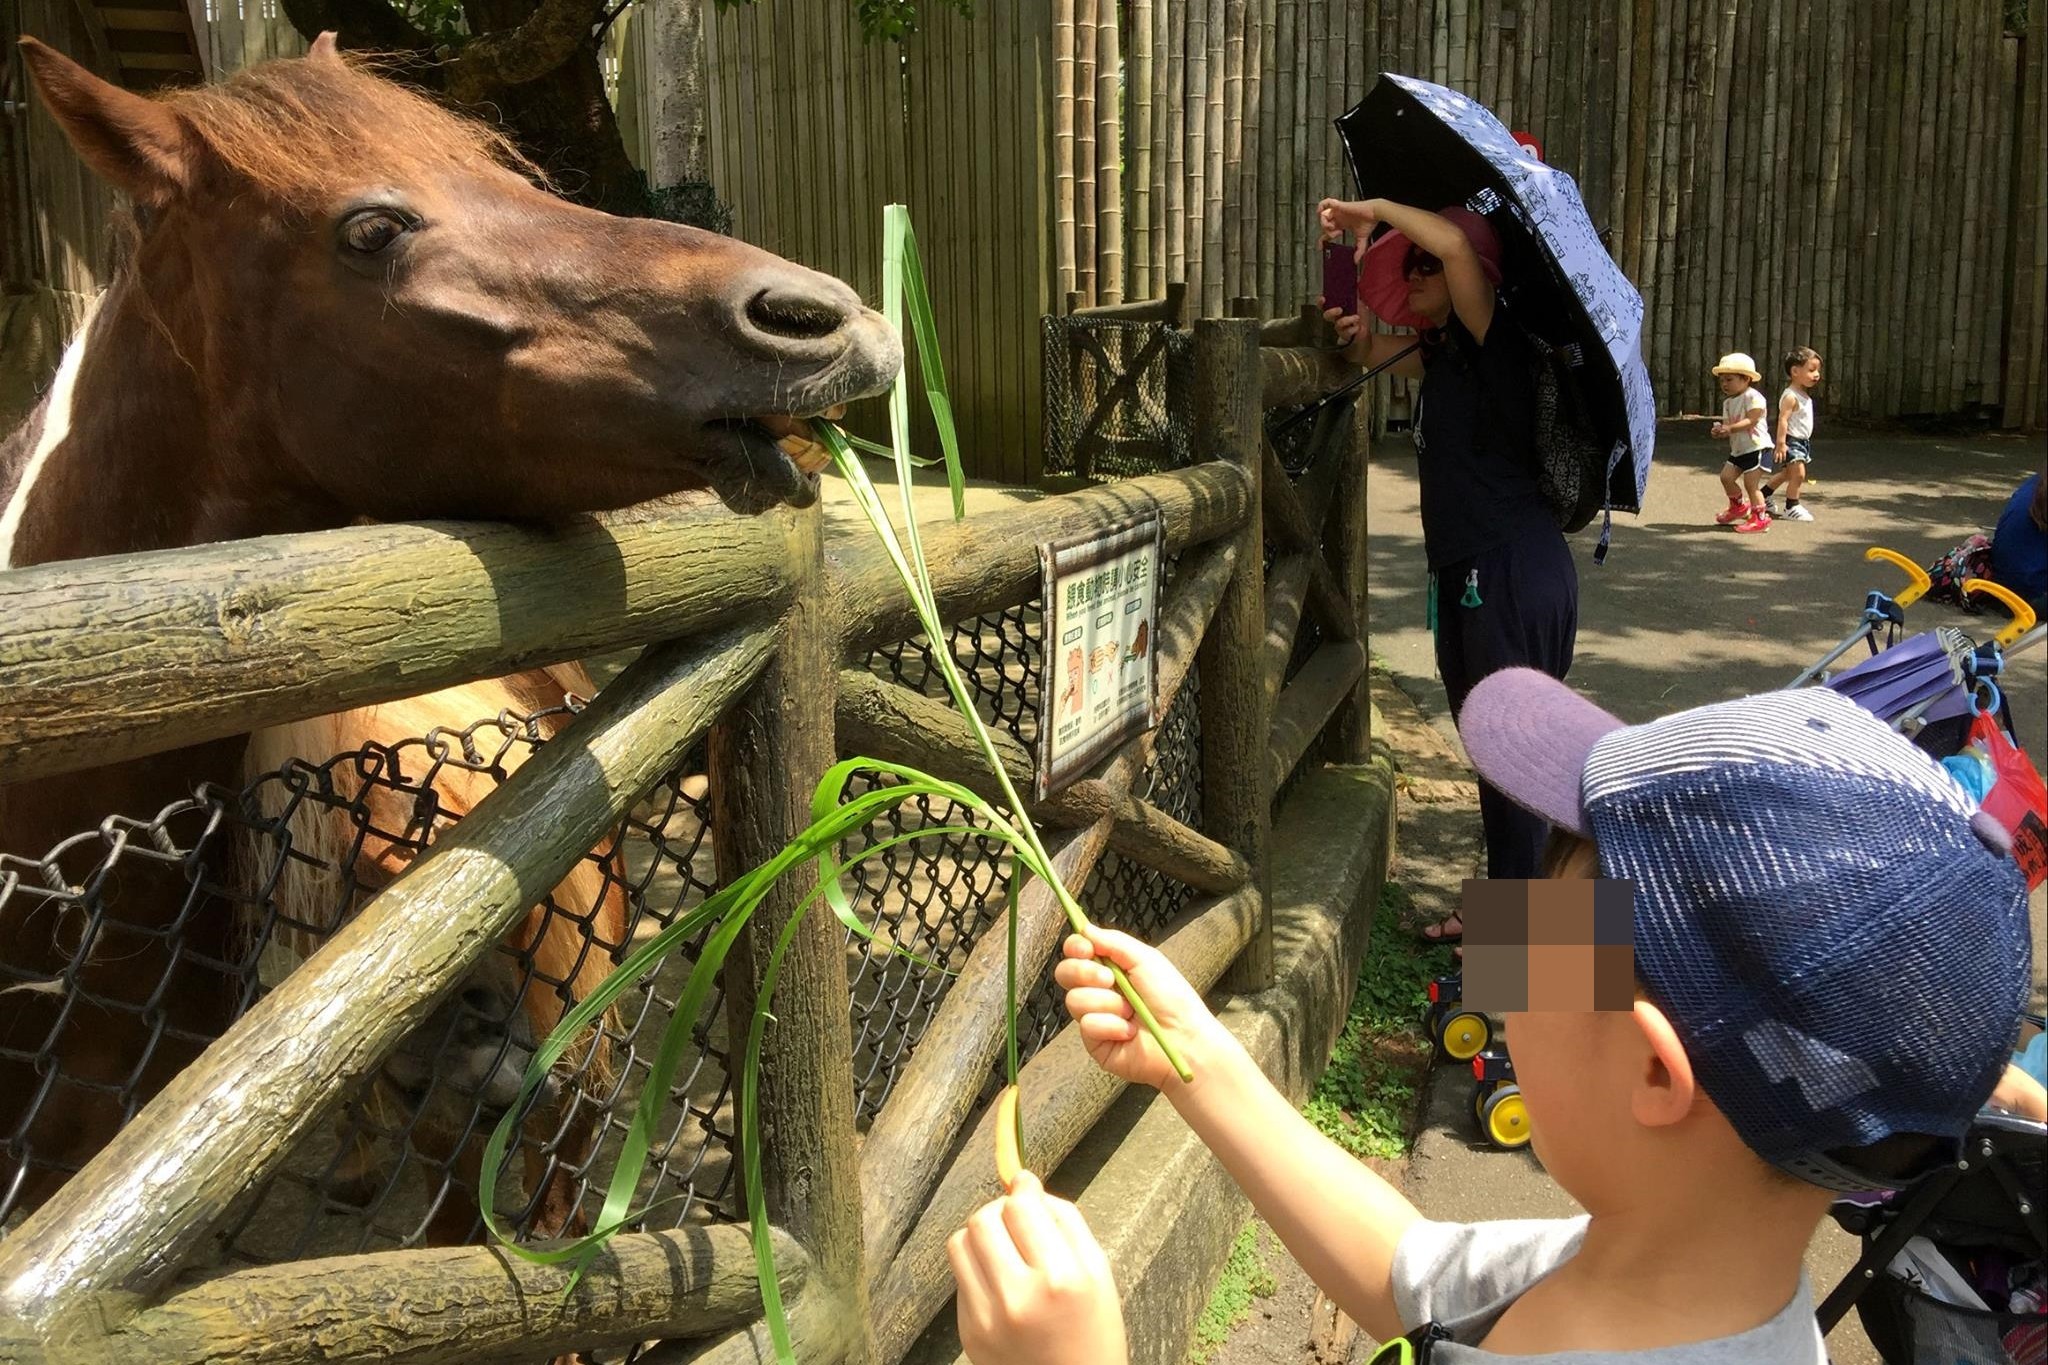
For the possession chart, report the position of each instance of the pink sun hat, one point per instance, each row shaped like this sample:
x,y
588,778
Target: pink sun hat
x,y
1383,283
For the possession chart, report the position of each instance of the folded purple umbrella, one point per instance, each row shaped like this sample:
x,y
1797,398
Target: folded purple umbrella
x,y
1924,668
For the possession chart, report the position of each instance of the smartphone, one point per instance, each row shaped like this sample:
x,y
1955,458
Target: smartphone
x,y
1340,277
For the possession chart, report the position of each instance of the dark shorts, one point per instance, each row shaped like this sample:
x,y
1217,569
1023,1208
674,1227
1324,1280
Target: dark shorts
x,y
1798,450
1746,462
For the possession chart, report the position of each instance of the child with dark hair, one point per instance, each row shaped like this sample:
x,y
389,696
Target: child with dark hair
x,y
1795,433
1832,949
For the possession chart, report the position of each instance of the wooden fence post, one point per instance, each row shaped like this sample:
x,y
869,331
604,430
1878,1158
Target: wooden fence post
x,y
766,757
1349,737
1237,792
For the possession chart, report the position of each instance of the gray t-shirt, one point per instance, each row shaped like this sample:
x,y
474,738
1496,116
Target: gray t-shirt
x,y
1465,1275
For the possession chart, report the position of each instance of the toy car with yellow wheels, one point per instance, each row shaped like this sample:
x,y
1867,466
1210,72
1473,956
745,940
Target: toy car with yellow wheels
x,y
1459,1034
1497,1101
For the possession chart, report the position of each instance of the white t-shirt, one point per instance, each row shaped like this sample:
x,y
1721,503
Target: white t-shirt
x,y
1800,425
1464,1276
1735,409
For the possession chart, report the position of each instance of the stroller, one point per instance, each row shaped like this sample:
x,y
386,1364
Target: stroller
x,y
1955,1266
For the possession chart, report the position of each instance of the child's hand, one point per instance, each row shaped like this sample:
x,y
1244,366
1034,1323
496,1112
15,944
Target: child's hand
x,y
1035,1286
1719,430
1114,1038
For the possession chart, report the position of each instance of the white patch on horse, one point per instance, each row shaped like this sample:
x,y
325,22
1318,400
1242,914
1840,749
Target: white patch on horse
x,y
56,426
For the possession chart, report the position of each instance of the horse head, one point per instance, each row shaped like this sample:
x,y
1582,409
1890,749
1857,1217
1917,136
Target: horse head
x,y
383,308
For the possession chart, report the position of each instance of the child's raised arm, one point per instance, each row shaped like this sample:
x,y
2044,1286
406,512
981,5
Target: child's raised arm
x,y
1338,1219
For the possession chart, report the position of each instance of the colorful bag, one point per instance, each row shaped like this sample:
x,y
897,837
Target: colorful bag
x,y
2018,801
1971,559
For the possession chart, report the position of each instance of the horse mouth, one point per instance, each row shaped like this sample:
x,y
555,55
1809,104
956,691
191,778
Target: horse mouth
x,y
776,460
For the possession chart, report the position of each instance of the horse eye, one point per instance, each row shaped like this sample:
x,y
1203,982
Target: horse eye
x,y
373,230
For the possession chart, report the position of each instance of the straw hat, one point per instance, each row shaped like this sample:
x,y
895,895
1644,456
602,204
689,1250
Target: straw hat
x,y
1738,362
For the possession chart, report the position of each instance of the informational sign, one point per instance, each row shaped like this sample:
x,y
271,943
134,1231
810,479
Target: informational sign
x,y
1101,622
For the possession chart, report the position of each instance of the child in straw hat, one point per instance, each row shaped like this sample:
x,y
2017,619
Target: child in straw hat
x,y
1745,421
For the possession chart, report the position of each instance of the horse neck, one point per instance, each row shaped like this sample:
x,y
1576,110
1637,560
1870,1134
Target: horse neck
x,y
129,450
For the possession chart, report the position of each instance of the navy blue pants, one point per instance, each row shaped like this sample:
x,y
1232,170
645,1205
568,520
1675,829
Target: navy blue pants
x,y
1528,617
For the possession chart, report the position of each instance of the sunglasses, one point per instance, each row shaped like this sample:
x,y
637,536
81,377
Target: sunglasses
x,y
1420,262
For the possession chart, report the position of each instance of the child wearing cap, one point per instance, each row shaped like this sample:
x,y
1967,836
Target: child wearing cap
x,y
1745,421
1817,1011
1795,432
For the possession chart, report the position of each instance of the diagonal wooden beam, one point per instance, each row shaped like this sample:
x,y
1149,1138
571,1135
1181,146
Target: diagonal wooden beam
x,y
1287,584
1303,709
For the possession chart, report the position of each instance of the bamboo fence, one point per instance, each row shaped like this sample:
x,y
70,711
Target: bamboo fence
x,y
1863,178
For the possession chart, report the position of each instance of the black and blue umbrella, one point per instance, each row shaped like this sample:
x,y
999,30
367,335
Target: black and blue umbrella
x,y
1421,144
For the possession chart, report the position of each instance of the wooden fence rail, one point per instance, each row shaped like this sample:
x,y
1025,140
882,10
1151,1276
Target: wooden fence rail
x,y
767,670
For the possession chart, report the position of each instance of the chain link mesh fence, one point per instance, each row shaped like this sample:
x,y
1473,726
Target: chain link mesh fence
x,y
151,936
1118,397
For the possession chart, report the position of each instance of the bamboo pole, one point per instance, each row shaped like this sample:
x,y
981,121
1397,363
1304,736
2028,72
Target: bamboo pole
x,y
1899,163
1618,151
1256,241
1163,130
2006,331
108,659
1656,348
1087,33
152,1197
2024,341
1831,264
1969,375
1109,193
1636,201
1348,738
1689,247
1721,167
1234,169
1196,137
1938,305
1139,139
1315,15
1215,140
1066,193
1291,230
1179,139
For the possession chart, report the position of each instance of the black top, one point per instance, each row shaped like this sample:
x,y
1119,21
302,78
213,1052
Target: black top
x,y
1475,442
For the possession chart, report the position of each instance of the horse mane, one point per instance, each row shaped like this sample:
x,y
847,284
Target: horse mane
x,y
305,129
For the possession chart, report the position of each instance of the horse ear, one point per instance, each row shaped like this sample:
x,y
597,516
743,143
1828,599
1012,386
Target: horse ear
x,y
135,144
325,48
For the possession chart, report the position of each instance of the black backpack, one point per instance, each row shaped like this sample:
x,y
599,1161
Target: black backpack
x,y
1571,459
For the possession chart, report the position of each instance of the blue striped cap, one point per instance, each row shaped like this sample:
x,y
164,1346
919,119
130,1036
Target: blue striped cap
x,y
1841,946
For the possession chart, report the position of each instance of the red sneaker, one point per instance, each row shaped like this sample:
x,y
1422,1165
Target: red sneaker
x,y
1756,522
1737,511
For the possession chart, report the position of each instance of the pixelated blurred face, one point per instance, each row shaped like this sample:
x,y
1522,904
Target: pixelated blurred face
x,y
1574,1068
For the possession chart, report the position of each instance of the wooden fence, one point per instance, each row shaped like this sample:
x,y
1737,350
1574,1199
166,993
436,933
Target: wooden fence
x,y
748,624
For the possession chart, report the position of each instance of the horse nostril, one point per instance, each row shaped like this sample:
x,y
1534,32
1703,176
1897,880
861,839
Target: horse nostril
x,y
793,317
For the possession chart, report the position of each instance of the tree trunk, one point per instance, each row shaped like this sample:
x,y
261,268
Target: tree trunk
x,y
676,42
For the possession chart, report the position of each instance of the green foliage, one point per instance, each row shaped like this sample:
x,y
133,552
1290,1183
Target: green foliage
x,y
1365,1096
1244,1278
692,202
441,20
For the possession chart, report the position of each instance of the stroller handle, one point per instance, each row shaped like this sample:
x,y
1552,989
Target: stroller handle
x,y
1919,581
2022,614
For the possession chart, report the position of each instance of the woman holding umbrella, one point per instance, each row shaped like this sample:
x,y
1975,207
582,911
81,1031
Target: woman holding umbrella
x,y
1509,592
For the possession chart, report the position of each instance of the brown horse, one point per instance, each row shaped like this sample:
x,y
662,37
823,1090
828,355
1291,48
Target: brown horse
x,y
344,302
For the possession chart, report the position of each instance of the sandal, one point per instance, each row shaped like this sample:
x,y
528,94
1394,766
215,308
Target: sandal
x,y
1441,932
